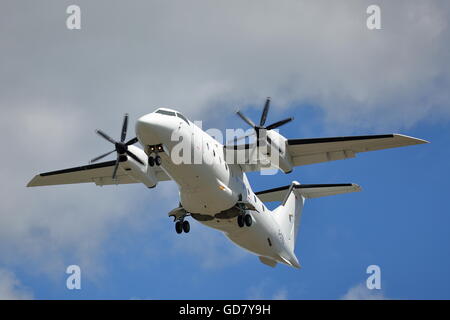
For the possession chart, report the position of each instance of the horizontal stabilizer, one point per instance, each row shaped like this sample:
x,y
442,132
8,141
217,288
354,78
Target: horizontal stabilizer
x,y
307,191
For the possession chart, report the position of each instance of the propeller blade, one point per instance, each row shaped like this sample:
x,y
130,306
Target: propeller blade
x,y
115,169
134,157
102,156
247,120
279,123
264,113
124,128
104,135
132,141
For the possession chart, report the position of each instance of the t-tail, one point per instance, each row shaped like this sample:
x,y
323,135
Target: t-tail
x,y
288,214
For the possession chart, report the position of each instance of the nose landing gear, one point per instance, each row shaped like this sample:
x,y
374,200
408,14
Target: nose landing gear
x,y
151,161
154,158
154,161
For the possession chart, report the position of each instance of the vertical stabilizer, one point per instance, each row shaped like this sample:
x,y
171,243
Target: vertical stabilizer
x,y
288,214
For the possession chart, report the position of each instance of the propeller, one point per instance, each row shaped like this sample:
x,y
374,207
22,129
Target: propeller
x,y
121,147
259,128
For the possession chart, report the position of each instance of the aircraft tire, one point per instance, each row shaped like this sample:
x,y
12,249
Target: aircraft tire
x,y
240,221
158,160
248,220
186,226
151,161
178,227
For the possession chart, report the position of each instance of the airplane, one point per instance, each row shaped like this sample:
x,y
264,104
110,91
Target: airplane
x,y
216,192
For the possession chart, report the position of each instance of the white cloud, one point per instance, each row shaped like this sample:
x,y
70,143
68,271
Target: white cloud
x,y
361,292
11,288
262,291
281,294
199,55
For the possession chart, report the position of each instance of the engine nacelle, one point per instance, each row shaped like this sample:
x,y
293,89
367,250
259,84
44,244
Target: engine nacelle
x,y
140,172
277,151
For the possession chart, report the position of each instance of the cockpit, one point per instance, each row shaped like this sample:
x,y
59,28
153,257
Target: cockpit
x,y
172,114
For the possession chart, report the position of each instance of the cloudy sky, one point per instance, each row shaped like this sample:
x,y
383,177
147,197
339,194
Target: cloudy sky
x,y
318,62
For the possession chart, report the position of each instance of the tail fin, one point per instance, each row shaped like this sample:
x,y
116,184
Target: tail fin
x,y
289,213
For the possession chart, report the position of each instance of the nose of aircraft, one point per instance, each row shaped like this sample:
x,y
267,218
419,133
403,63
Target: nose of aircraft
x,y
144,129
153,128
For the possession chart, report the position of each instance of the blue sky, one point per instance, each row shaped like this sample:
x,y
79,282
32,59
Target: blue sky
x,y
207,59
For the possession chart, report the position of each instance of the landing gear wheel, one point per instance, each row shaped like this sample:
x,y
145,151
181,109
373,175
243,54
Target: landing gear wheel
x,y
186,226
151,161
178,227
158,160
240,221
248,220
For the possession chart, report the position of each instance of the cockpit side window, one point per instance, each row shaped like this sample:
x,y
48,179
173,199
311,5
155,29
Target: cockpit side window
x,y
165,112
182,117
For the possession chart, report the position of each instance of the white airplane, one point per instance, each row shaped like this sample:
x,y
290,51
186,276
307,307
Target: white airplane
x,y
217,192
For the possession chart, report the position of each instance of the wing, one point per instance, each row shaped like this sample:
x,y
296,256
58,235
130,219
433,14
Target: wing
x,y
300,152
308,191
316,150
99,173
246,155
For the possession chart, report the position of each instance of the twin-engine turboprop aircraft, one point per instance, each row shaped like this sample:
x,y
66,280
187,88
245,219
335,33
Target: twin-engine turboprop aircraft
x,y
216,191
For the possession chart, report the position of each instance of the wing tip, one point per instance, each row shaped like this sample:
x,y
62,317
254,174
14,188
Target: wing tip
x,y
356,187
413,140
33,182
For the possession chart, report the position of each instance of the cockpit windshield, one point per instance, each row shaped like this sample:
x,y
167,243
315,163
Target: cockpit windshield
x,y
182,117
165,112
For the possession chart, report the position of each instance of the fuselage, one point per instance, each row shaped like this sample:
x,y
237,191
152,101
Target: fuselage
x,y
210,189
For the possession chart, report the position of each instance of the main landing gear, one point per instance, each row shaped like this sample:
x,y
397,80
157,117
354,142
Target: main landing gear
x,y
182,226
244,220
